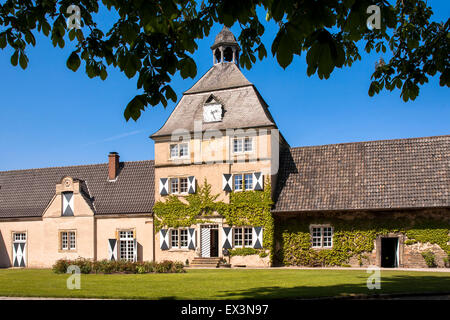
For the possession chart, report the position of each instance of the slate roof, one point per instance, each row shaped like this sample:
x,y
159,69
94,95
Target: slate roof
x,y
402,173
224,37
26,193
243,105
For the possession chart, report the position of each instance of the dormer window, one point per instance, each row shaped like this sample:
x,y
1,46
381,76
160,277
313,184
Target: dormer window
x,y
67,204
179,150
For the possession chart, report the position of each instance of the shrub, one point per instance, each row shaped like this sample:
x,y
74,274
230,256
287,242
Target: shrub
x,y
429,259
447,261
121,266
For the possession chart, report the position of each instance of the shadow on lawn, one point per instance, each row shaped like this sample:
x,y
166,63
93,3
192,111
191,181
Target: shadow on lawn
x,y
392,284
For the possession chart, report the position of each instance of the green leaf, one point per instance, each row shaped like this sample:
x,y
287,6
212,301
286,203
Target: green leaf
x,y
73,62
170,94
15,58
2,40
188,68
285,53
23,61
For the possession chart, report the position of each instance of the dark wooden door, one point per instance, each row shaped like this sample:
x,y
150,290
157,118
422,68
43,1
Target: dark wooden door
x,y
214,243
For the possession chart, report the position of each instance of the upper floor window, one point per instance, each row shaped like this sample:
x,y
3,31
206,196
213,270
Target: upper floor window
x,y
242,145
179,185
67,240
243,181
322,236
179,150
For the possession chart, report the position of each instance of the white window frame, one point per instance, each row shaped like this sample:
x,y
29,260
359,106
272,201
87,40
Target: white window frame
x,y
244,142
243,184
182,238
19,236
126,243
67,240
179,185
178,150
318,238
245,239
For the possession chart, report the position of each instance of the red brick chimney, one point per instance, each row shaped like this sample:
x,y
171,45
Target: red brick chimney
x,y
113,167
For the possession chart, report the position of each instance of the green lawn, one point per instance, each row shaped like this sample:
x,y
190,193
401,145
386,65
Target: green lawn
x,y
219,284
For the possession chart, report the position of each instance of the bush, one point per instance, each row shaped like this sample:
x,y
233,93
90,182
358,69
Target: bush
x,y
121,266
447,261
429,259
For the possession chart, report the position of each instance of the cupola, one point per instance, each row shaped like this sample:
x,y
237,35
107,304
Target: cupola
x,y
225,48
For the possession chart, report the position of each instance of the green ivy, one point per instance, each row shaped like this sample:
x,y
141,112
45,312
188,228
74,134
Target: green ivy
x,y
247,208
352,238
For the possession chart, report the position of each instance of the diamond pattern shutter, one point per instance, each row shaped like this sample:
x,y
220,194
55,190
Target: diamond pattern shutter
x,y
191,184
19,254
164,239
67,209
257,181
164,186
192,239
227,234
112,249
226,182
257,237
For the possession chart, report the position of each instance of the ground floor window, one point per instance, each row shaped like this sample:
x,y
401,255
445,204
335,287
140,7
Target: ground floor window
x,y
321,236
20,237
179,238
67,240
126,245
242,237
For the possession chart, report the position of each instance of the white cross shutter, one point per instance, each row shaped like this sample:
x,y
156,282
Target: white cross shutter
x,y
19,254
257,237
191,184
164,239
226,182
192,239
134,250
257,181
227,235
67,203
164,186
112,249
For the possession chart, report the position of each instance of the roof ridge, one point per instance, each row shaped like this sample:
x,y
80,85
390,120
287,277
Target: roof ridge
x,y
371,141
72,166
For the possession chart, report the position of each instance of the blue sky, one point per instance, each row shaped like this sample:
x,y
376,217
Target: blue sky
x,y
51,116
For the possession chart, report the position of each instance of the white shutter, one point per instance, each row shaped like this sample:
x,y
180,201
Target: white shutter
x,y
257,237
258,181
227,236
164,186
134,250
164,239
67,203
192,239
191,184
112,249
226,182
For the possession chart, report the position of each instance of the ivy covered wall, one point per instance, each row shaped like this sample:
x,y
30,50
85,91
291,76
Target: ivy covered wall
x,y
354,235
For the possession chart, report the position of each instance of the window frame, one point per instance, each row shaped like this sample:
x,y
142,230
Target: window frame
x,y
243,184
128,244
179,185
322,238
68,234
14,233
178,152
243,143
181,233
246,238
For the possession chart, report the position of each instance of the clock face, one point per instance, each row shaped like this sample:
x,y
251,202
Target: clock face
x,y
212,113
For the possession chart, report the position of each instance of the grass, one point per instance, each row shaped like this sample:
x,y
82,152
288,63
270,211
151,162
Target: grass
x,y
219,284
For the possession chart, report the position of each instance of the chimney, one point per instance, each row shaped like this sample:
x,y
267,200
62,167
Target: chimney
x,y
113,167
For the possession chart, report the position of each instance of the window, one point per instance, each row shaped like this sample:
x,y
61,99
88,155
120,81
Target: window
x,y
243,181
179,238
242,145
243,237
67,204
178,185
126,245
179,150
322,236
67,240
20,237
174,185
174,238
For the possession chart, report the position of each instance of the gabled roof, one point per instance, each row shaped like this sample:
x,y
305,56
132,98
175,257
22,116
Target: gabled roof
x,y
386,174
26,193
243,106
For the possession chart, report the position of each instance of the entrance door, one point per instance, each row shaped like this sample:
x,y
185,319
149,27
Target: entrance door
x,y
209,240
389,252
214,243
19,249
